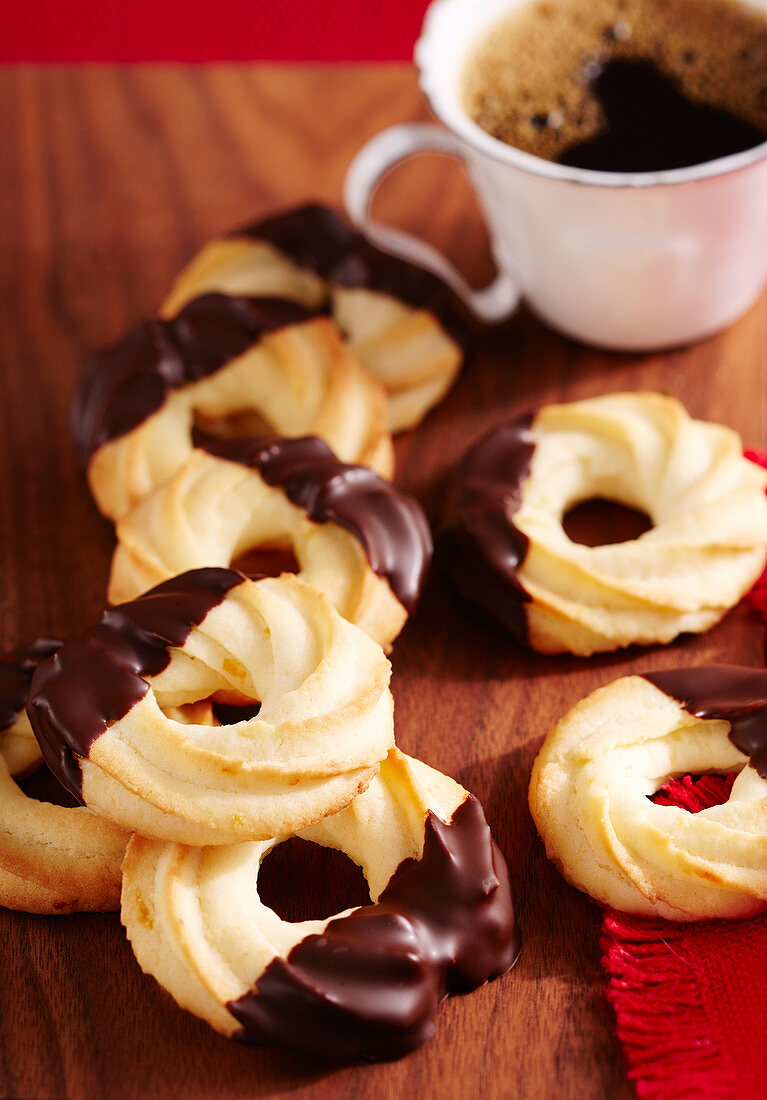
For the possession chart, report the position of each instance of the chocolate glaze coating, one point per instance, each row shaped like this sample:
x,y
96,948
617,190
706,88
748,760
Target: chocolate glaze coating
x,y
123,385
733,694
96,679
318,238
390,525
480,547
16,671
370,985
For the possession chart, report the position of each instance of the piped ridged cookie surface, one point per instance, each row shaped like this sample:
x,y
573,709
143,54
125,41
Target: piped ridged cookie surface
x,y
507,550
365,983
354,536
396,316
244,363
101,709
592,781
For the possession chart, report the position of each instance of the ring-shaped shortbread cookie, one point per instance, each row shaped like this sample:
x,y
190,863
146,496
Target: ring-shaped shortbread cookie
x,y
397,317
363,984
363,543
53,859
100,709
246,361
592,781
505,547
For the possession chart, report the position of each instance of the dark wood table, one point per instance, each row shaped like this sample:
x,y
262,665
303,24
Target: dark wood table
x,y
109,179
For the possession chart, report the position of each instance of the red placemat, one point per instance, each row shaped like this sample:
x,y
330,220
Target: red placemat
x,y
691,999
199,30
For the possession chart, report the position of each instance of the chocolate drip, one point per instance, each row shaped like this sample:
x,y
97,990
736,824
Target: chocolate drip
x,y
96,679
318,238
16,671
370,985
123,385
390,525
480,547
727,692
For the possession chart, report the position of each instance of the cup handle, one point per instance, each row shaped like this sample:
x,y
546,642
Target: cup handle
x,y
374,160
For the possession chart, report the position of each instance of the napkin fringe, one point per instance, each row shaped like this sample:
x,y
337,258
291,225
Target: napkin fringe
x,y
649,985
661,1017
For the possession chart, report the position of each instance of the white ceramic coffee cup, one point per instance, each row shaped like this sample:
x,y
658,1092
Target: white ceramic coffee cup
x,y
632,261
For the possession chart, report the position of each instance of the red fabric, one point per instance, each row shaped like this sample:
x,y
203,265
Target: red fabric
x,y
691,999
200,30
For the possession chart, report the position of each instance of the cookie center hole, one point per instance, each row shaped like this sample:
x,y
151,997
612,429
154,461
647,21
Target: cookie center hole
x,y
695,792
222,709
45,787
246,422
304,881
600,522
267,561
227,714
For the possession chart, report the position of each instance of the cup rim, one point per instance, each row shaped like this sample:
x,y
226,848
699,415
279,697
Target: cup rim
x,y
464,128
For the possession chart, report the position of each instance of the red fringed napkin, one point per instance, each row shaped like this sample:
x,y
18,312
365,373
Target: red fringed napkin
x,y
691,999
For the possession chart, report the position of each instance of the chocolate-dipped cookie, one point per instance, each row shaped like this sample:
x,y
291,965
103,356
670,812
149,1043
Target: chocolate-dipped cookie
x,y
506,550
400,321
229,364
591,788
363,984
353,535
102,709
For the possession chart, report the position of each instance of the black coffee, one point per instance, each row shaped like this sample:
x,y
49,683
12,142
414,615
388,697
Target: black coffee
x,y
649,125
624,85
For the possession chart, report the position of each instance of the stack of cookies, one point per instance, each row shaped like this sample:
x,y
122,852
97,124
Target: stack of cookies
x,y
219,711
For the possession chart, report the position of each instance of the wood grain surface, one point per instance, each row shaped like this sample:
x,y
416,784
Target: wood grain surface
x,y
109,179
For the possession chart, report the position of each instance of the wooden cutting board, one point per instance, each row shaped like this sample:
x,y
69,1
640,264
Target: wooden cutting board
x,y
109,179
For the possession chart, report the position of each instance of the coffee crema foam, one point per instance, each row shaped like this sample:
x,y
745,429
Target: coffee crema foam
x,y
532,81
